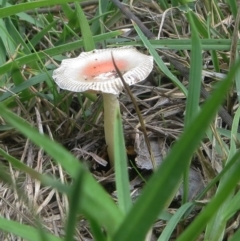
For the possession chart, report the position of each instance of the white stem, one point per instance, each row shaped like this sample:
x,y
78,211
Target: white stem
x,y
110,105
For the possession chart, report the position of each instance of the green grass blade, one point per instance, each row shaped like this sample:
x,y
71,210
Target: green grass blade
x,y
21,87
97,25
97,231
163,4
87,37
26,232
7,39
237,81
197,226
186,44
213,52
22,7
15,35
159,189
174,221
120,164
74,201
194,88
115,17
200,26
36,39
103,208
18,79
234,7
68,11
195,76
234,206
159,61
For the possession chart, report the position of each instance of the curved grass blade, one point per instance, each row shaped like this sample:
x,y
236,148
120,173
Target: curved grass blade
x,y
87,37
194,89
25,231
22,7
173,222
194,86
185,44
120,165
74,201
159,61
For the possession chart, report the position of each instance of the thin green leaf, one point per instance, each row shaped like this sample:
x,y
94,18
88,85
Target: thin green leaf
x,y
37,37
163,4
32,81
22,7
7,39
213,52
234,206
74,201
173,222
194,89
185,44
234,7
159,61
194,86
120,165
25,231
87,37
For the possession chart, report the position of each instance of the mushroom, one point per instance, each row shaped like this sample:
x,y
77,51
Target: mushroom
x,y
94,71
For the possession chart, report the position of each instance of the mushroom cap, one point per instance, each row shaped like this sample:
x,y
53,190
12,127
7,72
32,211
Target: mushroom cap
x,y
95,71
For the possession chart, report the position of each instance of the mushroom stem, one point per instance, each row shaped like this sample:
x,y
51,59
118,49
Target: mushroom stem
x,y
110,105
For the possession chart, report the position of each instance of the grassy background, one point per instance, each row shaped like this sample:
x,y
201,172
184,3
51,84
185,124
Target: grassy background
x,y
47,193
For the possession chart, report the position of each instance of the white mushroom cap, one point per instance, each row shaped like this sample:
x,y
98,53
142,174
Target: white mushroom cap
x,y
95,71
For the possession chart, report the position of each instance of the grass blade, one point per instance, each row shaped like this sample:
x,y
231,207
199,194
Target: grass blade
x,y
173,222
194,86
25,231
87,37
186,44
159,61
194,89
120,164
22,7
74,201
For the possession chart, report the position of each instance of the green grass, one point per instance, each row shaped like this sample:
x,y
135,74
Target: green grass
x,y
37,123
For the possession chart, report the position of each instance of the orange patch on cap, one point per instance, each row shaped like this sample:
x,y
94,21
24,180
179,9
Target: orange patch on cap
x,y
100,67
